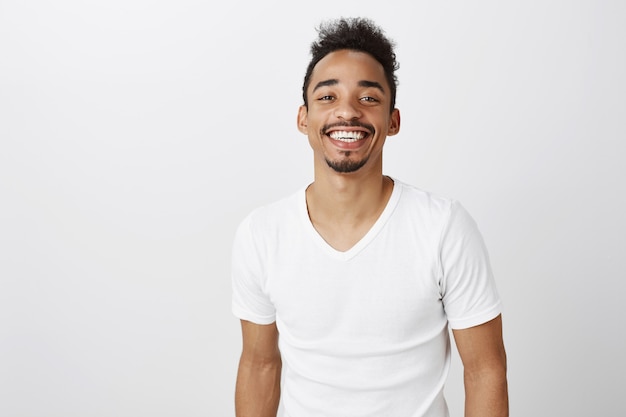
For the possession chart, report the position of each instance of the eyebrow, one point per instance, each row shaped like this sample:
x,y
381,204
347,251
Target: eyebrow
x,y
362,83
326,83
375,84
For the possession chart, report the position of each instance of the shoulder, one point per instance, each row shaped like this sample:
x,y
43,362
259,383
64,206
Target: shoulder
x,y
438,213
422,196
424,203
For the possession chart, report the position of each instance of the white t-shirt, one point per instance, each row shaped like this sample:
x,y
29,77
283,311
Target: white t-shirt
x,y
364,333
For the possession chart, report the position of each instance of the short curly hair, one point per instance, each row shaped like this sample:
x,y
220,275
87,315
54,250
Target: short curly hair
x,y
357,34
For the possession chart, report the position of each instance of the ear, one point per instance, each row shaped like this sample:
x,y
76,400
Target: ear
x,y
303,126
394,123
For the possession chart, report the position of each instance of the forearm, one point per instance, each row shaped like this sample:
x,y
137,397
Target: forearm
x,y
486,394
257,392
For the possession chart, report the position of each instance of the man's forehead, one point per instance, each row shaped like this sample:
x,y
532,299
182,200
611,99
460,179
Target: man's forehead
x,y
343,66
347,57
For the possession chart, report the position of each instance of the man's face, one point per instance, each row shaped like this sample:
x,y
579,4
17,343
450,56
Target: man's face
x,y
349,116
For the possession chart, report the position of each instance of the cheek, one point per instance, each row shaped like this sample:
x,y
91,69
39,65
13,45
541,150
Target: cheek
x,y
314,124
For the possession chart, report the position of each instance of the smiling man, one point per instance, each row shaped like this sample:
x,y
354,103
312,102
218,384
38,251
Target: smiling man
x,y
347,288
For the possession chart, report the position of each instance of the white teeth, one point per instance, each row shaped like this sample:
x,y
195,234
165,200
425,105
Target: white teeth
x,y
345,136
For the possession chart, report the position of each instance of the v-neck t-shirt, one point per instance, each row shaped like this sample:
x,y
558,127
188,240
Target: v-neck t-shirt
x,y
364,332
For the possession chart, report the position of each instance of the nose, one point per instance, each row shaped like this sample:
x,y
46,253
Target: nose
x,y
347,110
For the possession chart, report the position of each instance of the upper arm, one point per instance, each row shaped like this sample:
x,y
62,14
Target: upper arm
x,y
260,342
481,347
467,284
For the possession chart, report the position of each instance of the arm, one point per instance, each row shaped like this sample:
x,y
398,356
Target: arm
x,y
484,368
257,391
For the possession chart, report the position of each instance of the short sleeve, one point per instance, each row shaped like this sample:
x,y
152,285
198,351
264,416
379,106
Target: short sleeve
x,y
249,299
468,287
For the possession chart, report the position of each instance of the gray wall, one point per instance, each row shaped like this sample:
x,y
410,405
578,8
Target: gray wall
x,y
135,135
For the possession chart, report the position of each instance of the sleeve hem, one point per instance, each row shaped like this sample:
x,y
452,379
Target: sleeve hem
x,y
477,319
256,319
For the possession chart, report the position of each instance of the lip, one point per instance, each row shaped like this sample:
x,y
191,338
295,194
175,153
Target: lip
x,y
362,134
354,126
351,144
346,129
367,130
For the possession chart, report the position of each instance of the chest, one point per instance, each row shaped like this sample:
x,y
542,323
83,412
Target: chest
x,y
386,291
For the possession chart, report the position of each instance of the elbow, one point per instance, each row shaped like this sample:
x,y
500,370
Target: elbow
x,y
261,363
494,369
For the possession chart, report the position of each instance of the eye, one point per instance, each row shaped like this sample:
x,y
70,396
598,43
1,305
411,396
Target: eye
x,y
369,99
326,98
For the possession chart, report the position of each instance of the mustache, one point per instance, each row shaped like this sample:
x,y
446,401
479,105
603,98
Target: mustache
x,y
353,123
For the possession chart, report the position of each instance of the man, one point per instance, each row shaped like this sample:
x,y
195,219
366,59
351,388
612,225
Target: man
x,y
346,289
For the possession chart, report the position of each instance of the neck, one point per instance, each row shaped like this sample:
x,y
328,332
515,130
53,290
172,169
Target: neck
x,y
348,198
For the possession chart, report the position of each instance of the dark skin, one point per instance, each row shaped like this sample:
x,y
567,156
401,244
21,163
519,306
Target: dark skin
x,y
484,369
257,392
349,90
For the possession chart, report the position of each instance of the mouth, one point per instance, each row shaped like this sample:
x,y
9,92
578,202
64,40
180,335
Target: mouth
x,y
348,133
347,136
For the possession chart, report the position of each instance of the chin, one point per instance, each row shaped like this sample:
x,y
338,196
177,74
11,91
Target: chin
x,y
346,166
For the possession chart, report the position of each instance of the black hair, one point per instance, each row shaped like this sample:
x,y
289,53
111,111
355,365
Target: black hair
x,y
357,34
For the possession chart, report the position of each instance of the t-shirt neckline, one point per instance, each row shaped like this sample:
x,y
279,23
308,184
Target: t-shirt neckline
x,y
365,240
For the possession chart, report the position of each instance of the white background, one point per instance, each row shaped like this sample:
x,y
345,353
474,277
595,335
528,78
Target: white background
x,y
135,135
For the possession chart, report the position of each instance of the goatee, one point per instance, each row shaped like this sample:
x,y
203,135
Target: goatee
x,y
345,166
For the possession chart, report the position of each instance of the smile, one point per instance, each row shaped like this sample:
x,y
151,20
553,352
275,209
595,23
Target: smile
x,y
348,137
